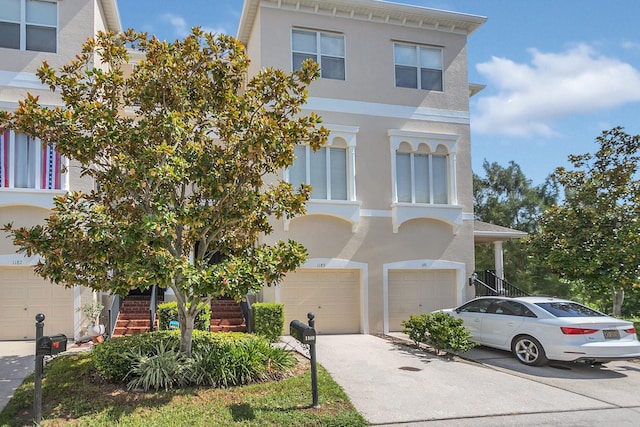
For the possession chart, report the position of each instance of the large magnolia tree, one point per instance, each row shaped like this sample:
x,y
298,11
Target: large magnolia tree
x,y
593,236
179,149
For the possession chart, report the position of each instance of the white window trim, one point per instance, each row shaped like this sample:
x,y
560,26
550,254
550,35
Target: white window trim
x,y
318,34
402,212
349,209
23,26
419,76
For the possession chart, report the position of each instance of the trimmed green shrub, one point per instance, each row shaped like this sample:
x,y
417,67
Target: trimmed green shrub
x,y
439,330
221,359
268,320
110,356
168,311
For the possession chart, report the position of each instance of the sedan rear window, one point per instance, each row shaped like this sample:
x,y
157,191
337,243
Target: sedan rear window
x,y
569,309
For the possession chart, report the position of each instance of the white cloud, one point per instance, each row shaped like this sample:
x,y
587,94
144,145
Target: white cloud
x,y
532,96
181,29
630,45
178,23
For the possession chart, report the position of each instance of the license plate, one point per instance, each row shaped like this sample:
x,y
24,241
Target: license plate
x,y
612,334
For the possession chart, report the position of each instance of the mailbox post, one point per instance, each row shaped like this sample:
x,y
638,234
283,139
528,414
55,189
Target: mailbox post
x,y
45,346
37,389
306,334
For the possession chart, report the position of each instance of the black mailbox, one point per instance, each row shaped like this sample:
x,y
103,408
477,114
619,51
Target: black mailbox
x,y
303,333
51,345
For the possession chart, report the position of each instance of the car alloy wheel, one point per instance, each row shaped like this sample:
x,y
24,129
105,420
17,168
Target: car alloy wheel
x,y
529,351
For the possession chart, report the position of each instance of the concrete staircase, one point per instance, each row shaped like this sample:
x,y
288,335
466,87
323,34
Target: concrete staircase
x,y
134,316
226,316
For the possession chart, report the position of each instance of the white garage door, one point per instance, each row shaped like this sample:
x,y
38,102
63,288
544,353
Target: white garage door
x,y
23,295
417,292
332,295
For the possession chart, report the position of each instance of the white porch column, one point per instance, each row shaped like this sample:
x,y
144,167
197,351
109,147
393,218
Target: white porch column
x,y
498,259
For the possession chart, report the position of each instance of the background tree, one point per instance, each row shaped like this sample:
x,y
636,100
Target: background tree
x,y
505,197
185,171
593,237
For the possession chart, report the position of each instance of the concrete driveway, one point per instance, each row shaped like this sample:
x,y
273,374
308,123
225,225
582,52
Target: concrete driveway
x,y
394,384
17,360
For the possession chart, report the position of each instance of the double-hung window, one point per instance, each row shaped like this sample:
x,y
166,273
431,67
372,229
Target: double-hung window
x,y
327,49
29,25
27,163
324,170
418,67
422,178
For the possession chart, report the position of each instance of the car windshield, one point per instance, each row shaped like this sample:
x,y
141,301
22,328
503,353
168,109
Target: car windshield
x,y
568,309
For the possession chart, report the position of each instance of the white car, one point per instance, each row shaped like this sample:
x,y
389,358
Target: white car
x,y
539,329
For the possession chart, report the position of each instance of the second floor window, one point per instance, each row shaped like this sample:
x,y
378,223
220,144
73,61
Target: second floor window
x,y
325,170
421,178
29,25
418,67
27,163
327,49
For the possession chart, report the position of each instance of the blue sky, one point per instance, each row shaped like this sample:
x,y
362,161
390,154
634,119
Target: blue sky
x,y
557,72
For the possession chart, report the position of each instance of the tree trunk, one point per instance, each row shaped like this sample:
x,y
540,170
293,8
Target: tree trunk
x,y
187,321
618,297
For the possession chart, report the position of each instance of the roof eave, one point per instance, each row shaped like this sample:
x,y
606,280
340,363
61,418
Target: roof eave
x,y
112,15
451,21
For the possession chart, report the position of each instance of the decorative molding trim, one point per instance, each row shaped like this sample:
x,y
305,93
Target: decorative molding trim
x,y
403,212
21,79
23,197
345,106
343,209
468,216
375,213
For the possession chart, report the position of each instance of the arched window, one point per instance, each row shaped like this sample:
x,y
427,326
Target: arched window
x,y
422,176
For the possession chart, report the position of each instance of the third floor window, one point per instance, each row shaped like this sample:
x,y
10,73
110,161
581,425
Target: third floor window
x,y
29,25
418,67
327,49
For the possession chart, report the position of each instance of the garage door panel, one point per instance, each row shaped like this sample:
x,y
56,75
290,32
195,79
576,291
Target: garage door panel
x,y
332,295
414,292
23,296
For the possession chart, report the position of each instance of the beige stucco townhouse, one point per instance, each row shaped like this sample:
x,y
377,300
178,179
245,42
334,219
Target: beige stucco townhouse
x,y
389,228
33,31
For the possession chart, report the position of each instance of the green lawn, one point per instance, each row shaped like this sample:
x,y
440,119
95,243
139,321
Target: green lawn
x,y
74,395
